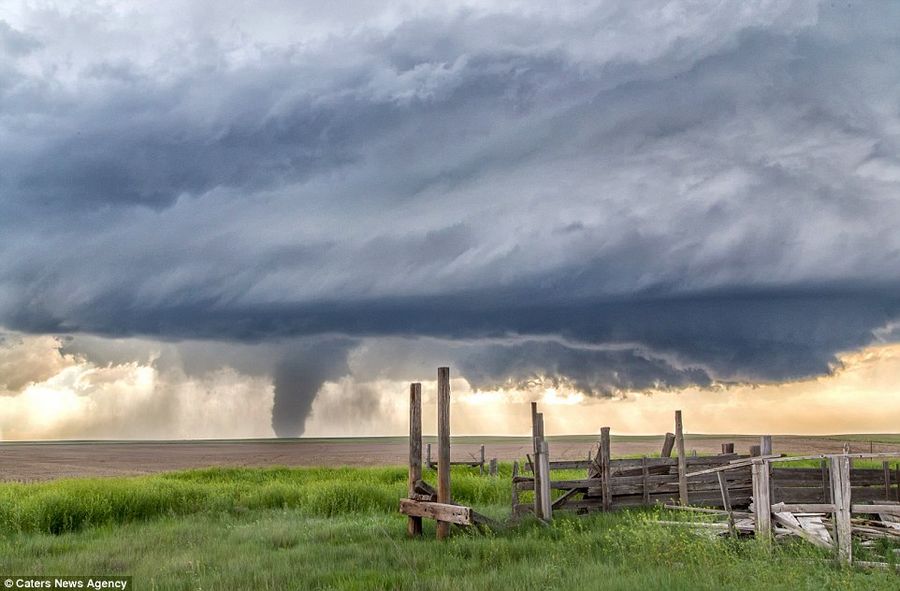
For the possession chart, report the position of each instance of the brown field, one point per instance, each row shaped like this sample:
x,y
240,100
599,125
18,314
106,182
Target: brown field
x,y
27,461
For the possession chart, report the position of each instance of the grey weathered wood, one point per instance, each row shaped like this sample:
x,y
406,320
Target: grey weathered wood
x,y
826,482
840,493
492,467
414,523
534,428
428,463
481,463
727,448
668,444
645,478
803,508
726,499
762,507
559,502
605,474
442,512
792,524
443,383
682,466
515,490
540,475
887,480
886,509
546,507
765,445
755,450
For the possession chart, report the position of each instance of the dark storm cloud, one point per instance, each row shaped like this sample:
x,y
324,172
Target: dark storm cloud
x,y
630,194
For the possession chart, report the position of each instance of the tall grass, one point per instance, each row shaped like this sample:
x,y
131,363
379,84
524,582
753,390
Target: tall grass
x,y
69,505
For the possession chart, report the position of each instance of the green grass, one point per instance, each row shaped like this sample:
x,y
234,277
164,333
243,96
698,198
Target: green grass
x,y
279,528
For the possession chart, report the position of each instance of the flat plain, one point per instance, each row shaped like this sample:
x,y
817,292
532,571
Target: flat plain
x,y
37,461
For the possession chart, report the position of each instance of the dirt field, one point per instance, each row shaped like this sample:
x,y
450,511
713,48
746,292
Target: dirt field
x,y
49,460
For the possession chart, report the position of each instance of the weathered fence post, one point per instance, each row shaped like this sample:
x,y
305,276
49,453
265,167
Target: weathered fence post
x,y
537,435
682,463
754,450
414,524
515,490
765,445
840,494
605,469
668,444
546,506
443,527
645,481
762,504
727,448
481,463
428,456
726,500
885,466
492,467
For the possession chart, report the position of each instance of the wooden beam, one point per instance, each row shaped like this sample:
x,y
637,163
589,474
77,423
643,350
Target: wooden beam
x,y
605,476
546,507
492,467
762,507
890,509
803,508
682,467
442,512
645,481
726,500
443,383
540,475
765,445
668,444
515,490
414,523
481,462
840,494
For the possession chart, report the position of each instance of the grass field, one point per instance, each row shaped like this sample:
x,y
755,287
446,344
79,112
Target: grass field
x,y
278,528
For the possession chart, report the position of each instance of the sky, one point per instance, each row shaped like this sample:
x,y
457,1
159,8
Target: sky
x,y
252,219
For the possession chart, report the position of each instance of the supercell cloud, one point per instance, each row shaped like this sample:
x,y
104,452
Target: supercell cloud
x,y
612,195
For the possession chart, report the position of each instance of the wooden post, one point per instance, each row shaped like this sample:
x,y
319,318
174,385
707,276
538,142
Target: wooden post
x,y
537,467
604,469
443,527
754,450
762,504
668,444
515,490
492,467
682,463
428,456
840,493
726,500
887,480
414,524
765,445
727,448
826,482
546,507
645,481
481,464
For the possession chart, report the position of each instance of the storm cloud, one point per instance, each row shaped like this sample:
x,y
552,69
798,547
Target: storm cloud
x,y
620,195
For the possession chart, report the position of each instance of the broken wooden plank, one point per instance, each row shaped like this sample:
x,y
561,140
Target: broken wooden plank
x,y
789,522
803,508
441,512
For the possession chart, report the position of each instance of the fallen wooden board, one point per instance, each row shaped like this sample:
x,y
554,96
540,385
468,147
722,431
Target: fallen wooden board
x,y
439,511
789,522
814,525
